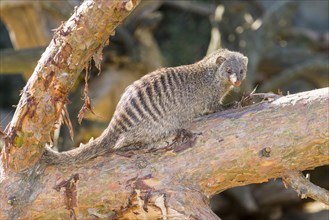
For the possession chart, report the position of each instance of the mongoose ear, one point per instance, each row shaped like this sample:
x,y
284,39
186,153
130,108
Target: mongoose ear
x,y
245,60
220,60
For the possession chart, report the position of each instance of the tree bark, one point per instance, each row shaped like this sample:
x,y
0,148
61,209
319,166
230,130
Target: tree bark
x,y
82,37
232,148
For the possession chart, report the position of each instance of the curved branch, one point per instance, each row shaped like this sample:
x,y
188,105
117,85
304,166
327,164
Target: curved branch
x,y
46,92
228,149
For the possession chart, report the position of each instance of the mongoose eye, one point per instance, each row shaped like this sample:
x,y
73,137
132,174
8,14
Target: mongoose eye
x,y
241,72
229,71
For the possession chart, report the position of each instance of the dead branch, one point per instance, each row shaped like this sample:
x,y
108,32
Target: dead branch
x,y
228,149
305,188
46,92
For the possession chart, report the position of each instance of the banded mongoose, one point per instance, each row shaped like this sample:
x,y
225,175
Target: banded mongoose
x,y
162,103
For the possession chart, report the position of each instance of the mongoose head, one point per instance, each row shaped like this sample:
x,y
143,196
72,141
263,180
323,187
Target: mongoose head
x,y
232,67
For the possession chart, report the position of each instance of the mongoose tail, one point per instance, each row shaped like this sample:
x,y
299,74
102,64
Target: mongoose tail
x,y
94,148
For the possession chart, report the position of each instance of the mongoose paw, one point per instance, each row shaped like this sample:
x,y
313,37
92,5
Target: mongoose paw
x,y
128,151
184,139
183,135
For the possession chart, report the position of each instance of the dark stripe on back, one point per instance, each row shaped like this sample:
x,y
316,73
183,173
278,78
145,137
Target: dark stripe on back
x,y
159,92
170,80
125,120
181,76
131,115
171,89
156,87
163,83
142,100
122,126
177,80
150,94
137,108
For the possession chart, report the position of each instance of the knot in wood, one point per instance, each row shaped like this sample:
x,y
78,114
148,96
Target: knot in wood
x,y
265,152
12,200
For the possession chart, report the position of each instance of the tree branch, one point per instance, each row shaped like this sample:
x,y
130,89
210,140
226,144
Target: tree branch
x,y
228,149
305,188
46,92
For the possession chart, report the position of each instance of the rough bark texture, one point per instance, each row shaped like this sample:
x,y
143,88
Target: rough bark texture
x,y
43,98
232,148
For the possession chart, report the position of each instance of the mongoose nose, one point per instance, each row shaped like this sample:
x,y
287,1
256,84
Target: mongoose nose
x,y
237,83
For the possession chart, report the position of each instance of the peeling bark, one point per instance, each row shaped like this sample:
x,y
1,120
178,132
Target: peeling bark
x,y
46,92
232,148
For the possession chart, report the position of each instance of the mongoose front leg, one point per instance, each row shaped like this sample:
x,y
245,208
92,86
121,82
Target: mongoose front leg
x,y
216,107
184,139
183,135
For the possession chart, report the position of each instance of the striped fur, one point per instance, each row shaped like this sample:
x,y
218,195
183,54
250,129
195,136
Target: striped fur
x,y
164,101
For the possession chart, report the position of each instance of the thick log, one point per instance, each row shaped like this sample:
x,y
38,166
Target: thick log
x,y
74,44
228,149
